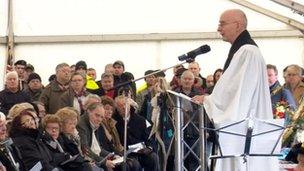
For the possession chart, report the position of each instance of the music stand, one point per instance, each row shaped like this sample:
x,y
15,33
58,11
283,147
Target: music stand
x,y
251,136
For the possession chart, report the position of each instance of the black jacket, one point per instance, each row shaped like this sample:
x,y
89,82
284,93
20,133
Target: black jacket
x,y
137,130
85,132
69,145
5,151
8,99
32,149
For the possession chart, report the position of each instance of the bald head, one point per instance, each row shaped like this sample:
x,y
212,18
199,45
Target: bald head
x,y
237,15
232,23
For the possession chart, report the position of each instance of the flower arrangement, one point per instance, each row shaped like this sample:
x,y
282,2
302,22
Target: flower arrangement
x,y
281,110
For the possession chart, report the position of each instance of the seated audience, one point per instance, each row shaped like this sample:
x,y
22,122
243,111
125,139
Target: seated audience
x,y
27,138
89,136
10,156
51,126
110,138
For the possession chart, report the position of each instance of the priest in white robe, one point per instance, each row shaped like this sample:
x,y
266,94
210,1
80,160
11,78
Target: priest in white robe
x,y
242,89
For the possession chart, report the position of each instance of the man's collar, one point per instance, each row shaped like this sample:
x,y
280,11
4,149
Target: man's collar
x,y
93,127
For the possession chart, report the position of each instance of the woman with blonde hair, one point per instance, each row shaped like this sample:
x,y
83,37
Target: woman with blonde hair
x,y
69,137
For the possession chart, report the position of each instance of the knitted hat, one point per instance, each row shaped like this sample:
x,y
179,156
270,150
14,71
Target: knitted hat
x,y
30,67
119,63
33,76
81,65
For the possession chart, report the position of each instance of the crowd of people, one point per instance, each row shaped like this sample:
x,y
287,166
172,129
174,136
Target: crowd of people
x,y
78,122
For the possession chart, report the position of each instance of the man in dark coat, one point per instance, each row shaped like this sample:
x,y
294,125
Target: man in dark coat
x,y
52,92
89,135
137,132
11,95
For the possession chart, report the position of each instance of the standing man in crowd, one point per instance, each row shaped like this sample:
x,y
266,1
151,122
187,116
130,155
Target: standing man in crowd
x,y
35,86
243,89
19,67
50,96
195,69
123,79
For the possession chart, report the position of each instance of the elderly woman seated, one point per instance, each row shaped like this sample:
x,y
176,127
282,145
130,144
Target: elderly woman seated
x,y
68,158
27,138
10,157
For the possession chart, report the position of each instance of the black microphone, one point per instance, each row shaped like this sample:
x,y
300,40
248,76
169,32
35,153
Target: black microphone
x,y
192,54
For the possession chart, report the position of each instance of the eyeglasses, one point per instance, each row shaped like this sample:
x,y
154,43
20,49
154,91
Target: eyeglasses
x,y
77,80
52,128
292,75
222,24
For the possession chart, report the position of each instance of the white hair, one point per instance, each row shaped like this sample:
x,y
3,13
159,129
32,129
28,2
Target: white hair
x,y
187,73
11,74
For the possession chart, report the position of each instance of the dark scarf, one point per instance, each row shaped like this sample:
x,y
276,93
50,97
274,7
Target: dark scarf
x,y
63,87
243,39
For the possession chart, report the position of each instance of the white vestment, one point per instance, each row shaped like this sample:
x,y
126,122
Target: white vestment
x,y
241,90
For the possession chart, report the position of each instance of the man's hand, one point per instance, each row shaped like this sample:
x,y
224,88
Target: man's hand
x,y
199,99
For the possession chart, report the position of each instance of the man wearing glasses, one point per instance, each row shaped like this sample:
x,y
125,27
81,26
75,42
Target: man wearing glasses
x,y
242,90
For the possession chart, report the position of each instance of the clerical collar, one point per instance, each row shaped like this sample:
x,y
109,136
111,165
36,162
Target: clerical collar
x,y
243,39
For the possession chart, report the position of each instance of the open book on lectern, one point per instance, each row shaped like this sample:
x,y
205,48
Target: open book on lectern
x,y
249,137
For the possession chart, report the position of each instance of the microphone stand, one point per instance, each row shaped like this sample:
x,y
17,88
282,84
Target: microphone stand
x,y
126,94
153,73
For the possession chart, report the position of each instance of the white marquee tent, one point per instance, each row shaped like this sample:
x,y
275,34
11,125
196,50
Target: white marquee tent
x,y
143,34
